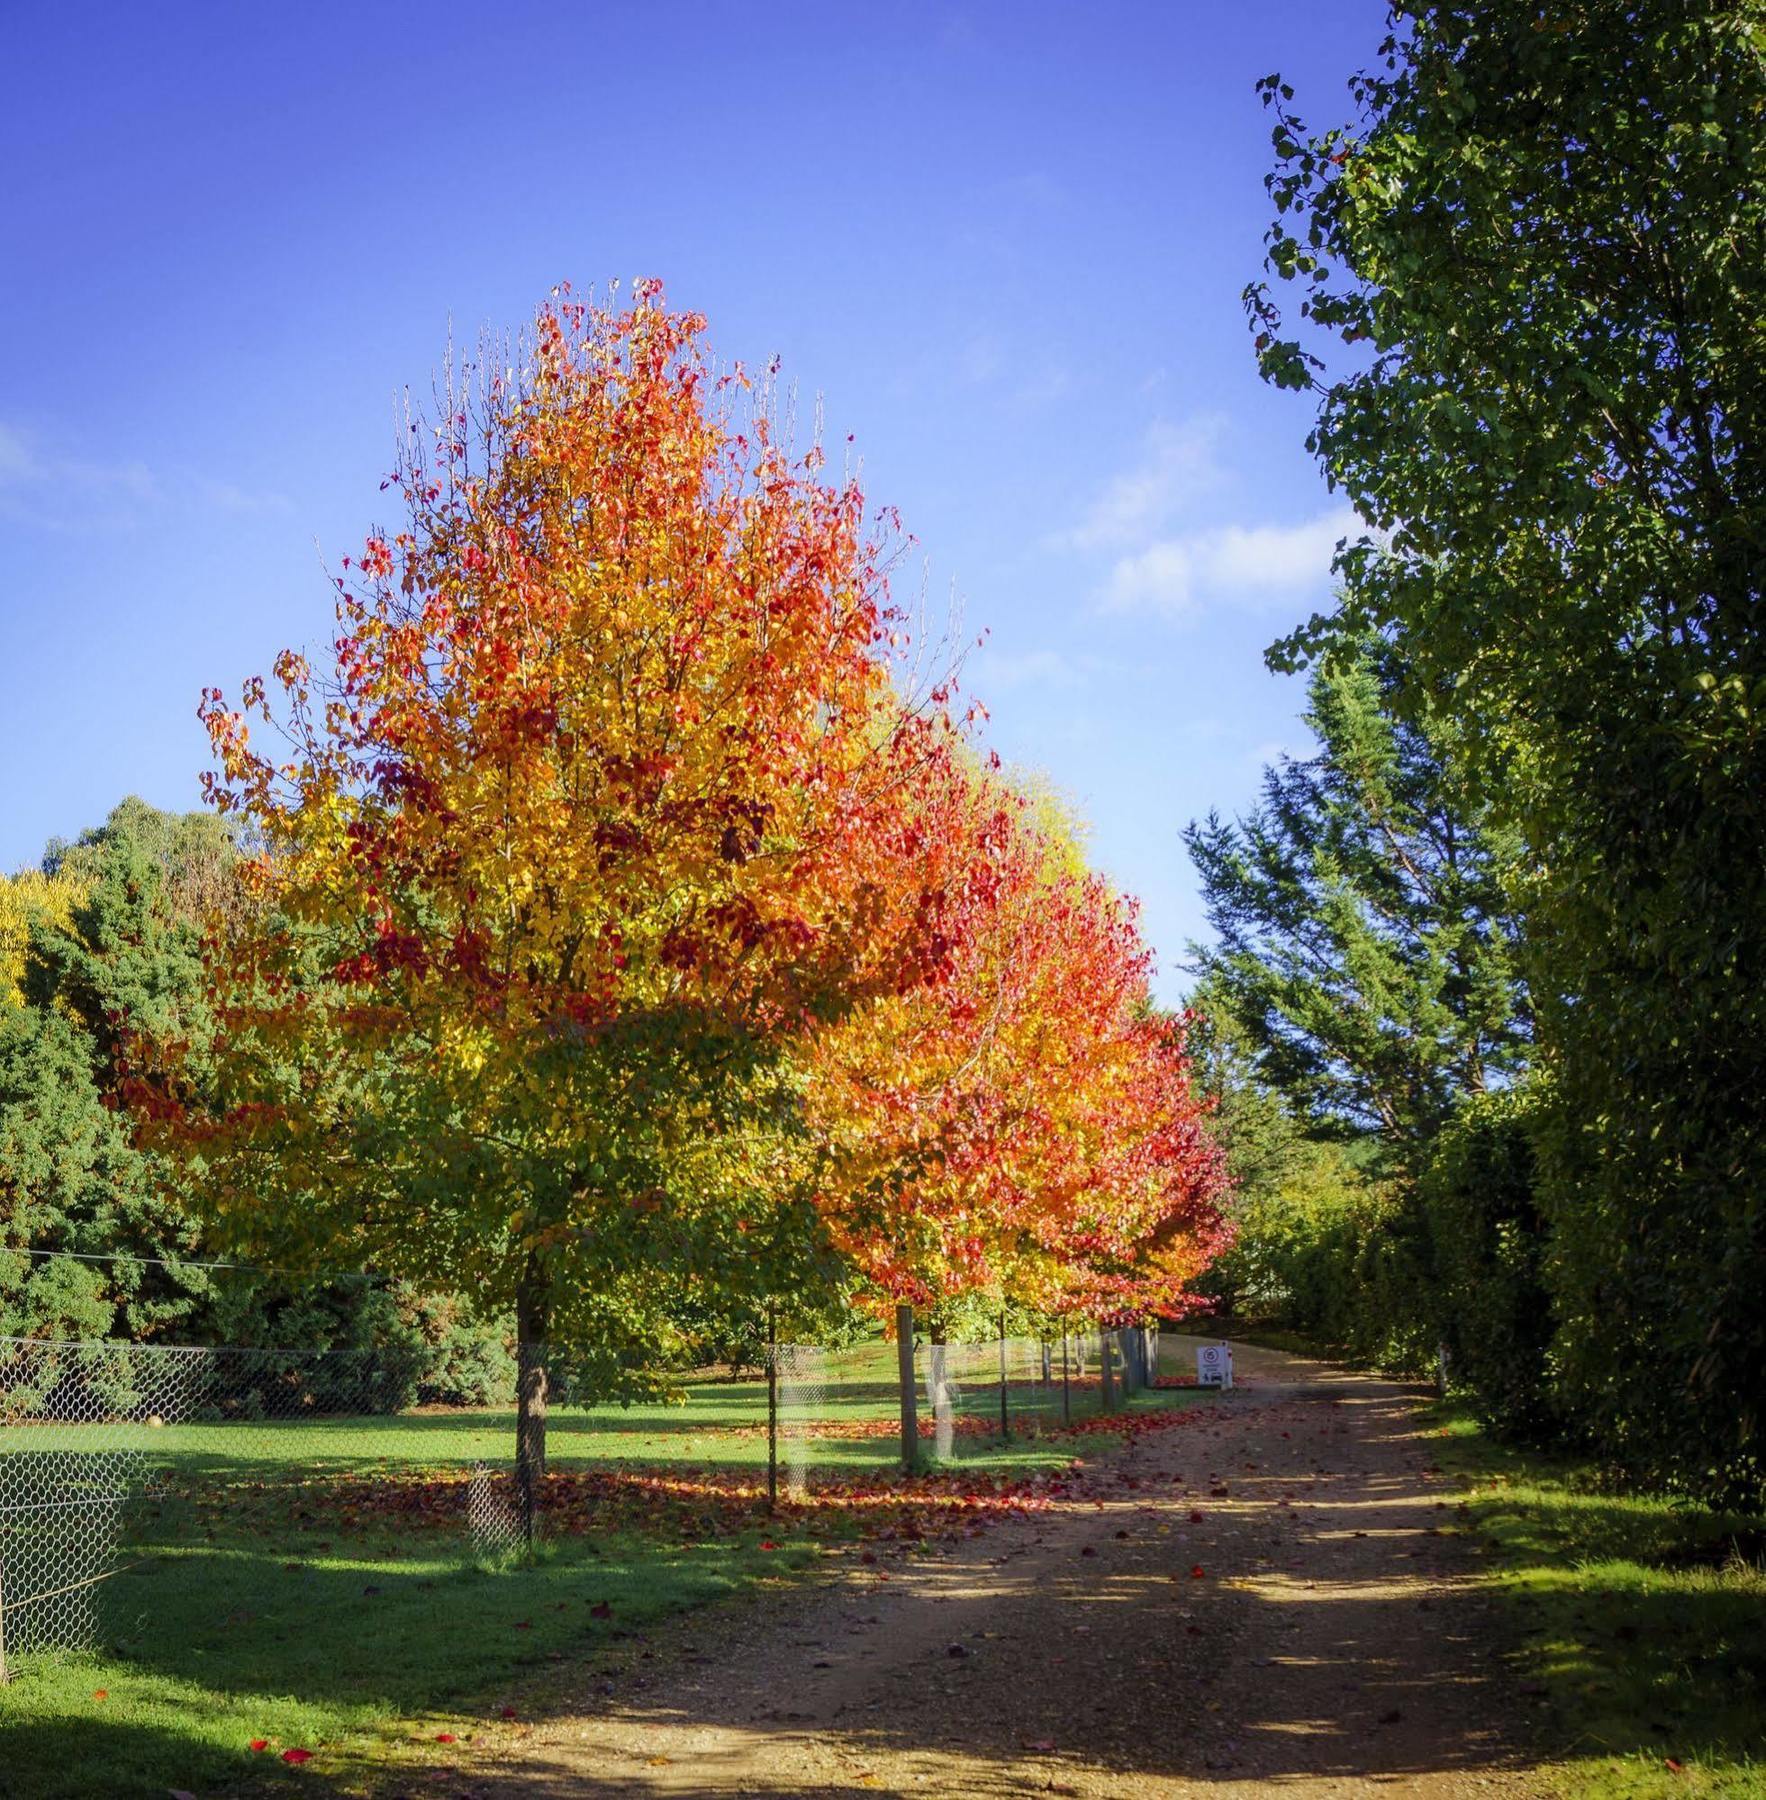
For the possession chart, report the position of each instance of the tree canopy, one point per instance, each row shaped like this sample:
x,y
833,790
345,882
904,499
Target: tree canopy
x,y
1532,319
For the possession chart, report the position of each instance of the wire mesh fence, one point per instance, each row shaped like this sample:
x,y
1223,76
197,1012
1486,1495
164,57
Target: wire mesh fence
x,y
263,1463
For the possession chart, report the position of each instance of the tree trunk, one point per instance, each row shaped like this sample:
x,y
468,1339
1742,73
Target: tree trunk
x,y
772,1411
1105,1373
533,1319
910,1407
1005,1416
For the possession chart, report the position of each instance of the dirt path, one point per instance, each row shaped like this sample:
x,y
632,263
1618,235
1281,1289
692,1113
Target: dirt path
x,y
1329,1646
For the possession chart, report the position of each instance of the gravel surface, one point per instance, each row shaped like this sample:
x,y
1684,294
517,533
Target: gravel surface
x,y
1268,1596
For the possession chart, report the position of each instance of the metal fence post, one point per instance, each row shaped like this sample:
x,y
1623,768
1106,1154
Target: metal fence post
x,y
1066,1391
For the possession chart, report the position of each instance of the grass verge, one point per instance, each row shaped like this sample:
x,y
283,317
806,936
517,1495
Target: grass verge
x,y
1638,1623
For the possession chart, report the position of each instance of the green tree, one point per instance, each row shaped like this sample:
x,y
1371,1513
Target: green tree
x,y
1532,314
99,1237
119,956
1363,951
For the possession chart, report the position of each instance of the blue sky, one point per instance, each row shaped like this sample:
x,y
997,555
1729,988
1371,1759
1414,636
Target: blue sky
x,y
1003,243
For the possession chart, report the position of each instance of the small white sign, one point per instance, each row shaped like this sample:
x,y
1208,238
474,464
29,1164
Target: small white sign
x,y
1214,1366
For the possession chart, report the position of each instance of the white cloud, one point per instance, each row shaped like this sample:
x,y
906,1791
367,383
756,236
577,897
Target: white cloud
x,y
998,673
1177,464
1174,574
16,461
70,492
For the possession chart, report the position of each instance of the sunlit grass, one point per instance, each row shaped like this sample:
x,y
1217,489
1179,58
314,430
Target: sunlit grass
x,y
279,1601
1639,1622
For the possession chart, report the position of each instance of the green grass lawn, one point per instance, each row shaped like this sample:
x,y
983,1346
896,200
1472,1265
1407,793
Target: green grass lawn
x,y
310,1584
1639,1624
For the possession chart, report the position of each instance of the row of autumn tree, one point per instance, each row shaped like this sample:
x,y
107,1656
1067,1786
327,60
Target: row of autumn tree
x,y
624,936
1490,981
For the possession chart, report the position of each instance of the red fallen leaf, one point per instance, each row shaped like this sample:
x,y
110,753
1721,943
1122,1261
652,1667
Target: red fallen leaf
x,y
1088,1551
297,1756
445,1737
101,1693
768,1544
1673,1765
1195,1516
524,1624
260,1745
870,1556
602,1609
509,1712
1197,1571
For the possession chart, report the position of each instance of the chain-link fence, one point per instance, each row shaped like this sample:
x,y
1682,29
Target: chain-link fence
x,y
114,1456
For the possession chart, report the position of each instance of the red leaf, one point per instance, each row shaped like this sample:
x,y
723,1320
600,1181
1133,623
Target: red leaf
x,y
1197,1571
260,1745
297,1756
1673,1765
101,1693
509,1712
445,1737
602,1609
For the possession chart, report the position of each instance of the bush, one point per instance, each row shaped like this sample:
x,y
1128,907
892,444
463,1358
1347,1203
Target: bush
x,y
1337,1254
1488,1249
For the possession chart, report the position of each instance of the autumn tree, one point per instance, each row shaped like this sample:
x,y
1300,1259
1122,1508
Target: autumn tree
x,y
1024,1127
594,806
